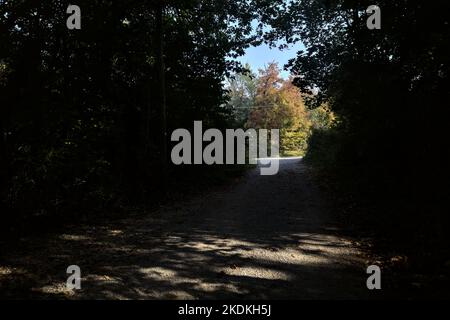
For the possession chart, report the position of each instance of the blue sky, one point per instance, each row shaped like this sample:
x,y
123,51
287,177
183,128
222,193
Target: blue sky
x,y
258,57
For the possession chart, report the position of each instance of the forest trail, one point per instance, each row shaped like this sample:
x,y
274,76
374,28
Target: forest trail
x,y
265,237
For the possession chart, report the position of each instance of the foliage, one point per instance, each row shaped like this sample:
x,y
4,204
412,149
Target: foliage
x,y
278,104
242,93
80,118
389,90
269,102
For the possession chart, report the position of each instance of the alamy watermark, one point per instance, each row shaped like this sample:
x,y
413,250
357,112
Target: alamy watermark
x,y
74,20
74,280
374,20
237,147
374,280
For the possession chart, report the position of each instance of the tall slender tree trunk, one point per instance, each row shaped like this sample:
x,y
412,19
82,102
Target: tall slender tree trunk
x,y
162,89
4,165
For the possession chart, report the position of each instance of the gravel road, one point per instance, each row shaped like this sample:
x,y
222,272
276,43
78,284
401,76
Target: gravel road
x,y
264,237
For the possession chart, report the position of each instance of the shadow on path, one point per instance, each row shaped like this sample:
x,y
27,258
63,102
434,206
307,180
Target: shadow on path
x,y
268,237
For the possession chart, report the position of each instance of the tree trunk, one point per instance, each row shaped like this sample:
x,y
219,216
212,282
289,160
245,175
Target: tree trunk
x,y
162,89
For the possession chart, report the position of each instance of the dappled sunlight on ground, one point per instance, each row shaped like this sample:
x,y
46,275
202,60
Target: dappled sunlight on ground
x,y
270,237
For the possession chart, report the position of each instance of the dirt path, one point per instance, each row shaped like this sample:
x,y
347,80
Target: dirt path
x,y
266,237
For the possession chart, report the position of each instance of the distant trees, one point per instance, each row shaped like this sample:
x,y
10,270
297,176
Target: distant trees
x,y
241,88
271,102
278,104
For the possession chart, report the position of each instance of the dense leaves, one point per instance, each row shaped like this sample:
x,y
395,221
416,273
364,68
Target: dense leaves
x,y
267,101
390,91
279,105
81,120
83,113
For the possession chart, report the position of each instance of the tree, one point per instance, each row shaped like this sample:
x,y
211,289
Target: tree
x,y
242,93
389,89
83,110
279,105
